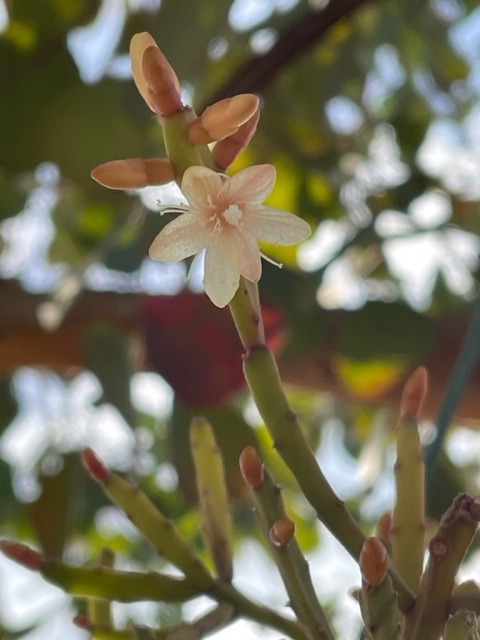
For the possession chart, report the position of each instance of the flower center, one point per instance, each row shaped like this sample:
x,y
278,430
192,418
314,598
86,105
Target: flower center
x,y
233,215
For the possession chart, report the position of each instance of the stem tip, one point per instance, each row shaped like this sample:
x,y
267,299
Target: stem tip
x,y
95,466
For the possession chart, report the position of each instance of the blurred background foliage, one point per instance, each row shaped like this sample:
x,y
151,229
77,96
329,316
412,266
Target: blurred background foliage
x,y
371,115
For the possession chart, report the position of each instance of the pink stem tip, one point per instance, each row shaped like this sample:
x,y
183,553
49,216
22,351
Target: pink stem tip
x,y
95,466
22,554
414,393
83,622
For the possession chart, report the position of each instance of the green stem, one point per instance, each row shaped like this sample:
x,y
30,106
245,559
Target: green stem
x,y
263,378
158,530
447,550
99,611
408,538
380,613
181,152
292,565
247,314
462,626
261,373
121,586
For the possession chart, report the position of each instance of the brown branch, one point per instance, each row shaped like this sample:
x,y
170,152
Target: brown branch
x,y
259,72
24,343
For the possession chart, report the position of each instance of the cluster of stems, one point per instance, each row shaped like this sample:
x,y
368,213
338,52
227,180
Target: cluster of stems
x,y
398,597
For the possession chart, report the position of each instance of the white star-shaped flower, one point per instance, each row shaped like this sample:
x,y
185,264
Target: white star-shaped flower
x,y
226,216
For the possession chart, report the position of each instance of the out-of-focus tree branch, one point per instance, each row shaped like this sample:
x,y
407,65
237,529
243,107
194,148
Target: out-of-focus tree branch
x,y
24,343
260,71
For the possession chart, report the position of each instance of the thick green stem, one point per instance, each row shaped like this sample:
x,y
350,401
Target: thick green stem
x,y
121,586
380,612
181,152
447,550
158,530
261,373
292,565
463,625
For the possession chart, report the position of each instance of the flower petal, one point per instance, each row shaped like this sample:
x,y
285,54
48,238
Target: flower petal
x,y
246,254
181,238
251,186
222,276
200,186
277,226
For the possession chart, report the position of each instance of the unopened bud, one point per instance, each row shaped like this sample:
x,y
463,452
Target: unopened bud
x,y
282,531
162,82
223,118
374,561
252,468
225,151
134,173
153,75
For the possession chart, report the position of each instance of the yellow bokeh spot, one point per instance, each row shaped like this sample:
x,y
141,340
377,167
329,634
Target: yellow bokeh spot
x,y
370,379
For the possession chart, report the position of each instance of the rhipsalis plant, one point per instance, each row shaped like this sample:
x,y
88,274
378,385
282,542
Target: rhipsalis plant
x,y
407,587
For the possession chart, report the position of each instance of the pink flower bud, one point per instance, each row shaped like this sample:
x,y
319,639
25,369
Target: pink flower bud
x,y
154,76
223,118
134,173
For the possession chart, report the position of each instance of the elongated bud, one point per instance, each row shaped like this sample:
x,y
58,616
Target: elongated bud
x,y
414,393
134,173
252,467
162,82
154,76
282,531
223,118
95,466
374,561
225,151
22,554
